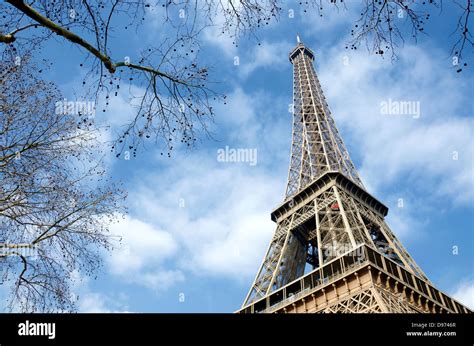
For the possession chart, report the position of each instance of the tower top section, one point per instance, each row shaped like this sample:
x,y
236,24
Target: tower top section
x,y
300,49
317,146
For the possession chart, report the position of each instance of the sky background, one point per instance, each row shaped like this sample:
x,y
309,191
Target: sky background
x,y
197,228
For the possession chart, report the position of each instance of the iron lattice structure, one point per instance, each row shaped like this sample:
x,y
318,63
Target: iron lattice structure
x,y
332,250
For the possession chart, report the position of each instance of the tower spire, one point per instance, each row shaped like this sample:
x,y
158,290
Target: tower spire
x,y
332,250
317,146
298,38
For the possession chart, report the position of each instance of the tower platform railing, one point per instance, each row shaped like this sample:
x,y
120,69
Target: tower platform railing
x,y
344,265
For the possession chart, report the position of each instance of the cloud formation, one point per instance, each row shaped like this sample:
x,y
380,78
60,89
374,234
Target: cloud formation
x,y
140,257
465,293
434,150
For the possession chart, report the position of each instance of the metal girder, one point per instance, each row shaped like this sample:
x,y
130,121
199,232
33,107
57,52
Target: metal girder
x,y
317,146
327,211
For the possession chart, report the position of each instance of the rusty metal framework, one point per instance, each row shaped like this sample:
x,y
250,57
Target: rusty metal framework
x,y
327,214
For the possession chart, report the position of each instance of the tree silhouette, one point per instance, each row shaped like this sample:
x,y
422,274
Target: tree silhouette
x,y
174,96
56,203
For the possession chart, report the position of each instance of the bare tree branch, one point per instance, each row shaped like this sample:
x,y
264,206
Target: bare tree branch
x,y
56,204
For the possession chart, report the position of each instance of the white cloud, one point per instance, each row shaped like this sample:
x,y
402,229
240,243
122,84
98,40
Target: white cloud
x,y
402,221
319,24
213,36
89,301
464,292
162,279
393,147
224,226
143,246
272,54
256,120
93,303
139,259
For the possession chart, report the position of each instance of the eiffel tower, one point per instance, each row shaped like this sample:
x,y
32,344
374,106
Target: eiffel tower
x,y
332,250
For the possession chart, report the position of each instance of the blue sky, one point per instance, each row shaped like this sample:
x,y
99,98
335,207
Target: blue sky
x,y
197,228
